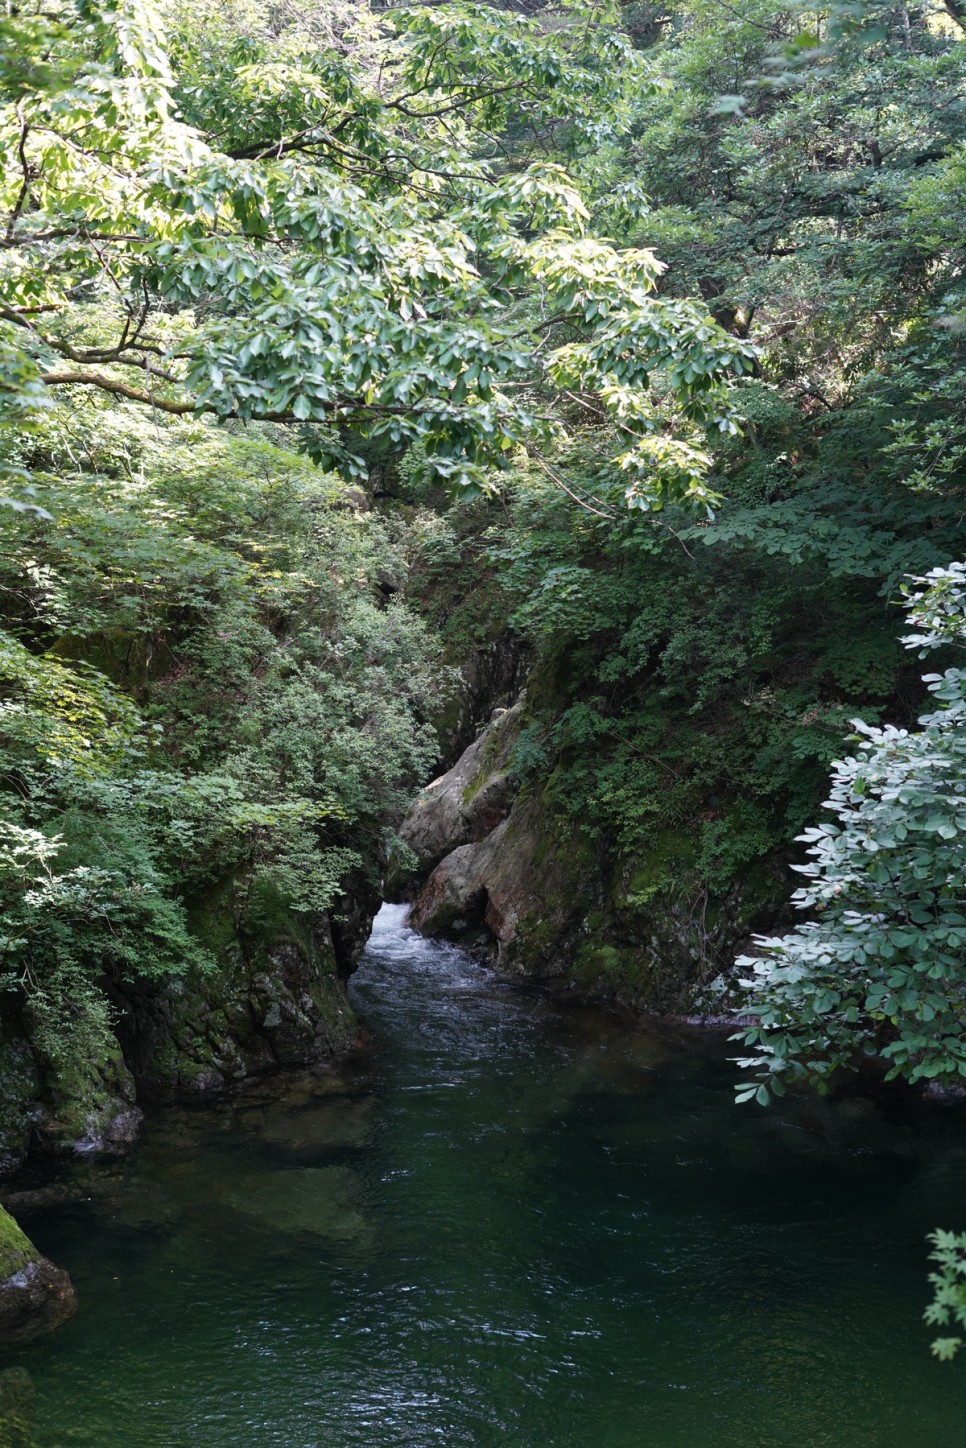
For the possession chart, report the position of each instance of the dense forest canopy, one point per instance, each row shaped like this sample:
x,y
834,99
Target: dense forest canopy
x,y
287,230
342,346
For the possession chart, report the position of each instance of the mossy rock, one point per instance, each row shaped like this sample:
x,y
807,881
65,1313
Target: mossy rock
x,y
19,1092
87,1106
273,998
16,1248
35,1296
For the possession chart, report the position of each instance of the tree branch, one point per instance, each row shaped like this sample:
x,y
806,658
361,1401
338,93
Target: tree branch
x,y
121,389
185,406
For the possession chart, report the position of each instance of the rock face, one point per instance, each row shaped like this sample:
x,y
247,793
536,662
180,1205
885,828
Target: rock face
x,y
276,997
493,674
506,881
488,859
35,1296
470,800
494,860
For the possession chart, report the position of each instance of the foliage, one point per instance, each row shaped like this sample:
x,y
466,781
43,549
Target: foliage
x,y
881,971
823,223
61,932
342,241
949,1297
201,680
55,716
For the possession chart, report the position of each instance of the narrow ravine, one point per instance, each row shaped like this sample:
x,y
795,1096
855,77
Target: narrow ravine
x,y
508,1220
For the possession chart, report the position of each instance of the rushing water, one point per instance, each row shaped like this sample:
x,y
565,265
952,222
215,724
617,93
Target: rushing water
x,y
508,1221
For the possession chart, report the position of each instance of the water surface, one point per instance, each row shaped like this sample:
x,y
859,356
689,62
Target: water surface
x,y
511,1221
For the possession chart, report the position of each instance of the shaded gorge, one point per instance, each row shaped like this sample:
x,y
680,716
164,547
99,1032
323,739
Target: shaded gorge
x,y
506,1219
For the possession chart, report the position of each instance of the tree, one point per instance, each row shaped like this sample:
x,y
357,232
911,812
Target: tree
x,y
882,971
282,231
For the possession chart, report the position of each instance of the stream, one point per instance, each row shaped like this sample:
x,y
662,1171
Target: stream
x,y
507,1219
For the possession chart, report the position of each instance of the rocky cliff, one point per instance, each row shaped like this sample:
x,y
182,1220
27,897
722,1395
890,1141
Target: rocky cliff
x,y
495,863
275,997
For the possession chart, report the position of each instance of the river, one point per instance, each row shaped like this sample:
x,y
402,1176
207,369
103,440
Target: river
x,y
506,1220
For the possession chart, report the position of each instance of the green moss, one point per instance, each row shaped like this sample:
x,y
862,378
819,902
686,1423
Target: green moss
x,y
268,920
16,1248
211,918
663,870
595,962
19,1087
338,1021
609,968
260,913
537,935
475,785
83,1097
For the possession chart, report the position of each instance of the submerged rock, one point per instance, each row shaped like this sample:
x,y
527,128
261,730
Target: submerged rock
x,y
334,1122
124,1201
17,1397
35,1296
323,1201
41,1199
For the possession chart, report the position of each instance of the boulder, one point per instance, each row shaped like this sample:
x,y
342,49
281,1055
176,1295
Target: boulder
x,y
35,1296
467,802
644,931
508,879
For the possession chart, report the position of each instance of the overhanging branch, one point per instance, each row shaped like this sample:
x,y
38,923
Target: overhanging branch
x,y
185,406
122,389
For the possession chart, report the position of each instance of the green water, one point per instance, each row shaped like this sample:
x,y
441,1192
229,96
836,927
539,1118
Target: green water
x,y
509,1221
